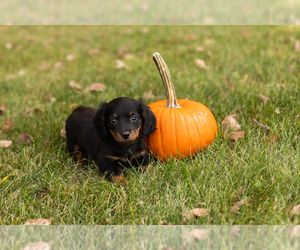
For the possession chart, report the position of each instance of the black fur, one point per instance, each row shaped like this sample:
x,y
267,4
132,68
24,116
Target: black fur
x,y
113,135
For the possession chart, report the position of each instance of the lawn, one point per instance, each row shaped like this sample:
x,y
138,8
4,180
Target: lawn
x,y
246,64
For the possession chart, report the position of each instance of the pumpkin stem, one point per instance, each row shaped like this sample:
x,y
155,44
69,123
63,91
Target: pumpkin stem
x,y
166,78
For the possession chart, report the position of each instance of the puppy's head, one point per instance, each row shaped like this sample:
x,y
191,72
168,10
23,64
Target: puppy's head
x,y
125,119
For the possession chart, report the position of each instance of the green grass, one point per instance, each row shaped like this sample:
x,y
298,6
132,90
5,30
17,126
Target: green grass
x,y
267,170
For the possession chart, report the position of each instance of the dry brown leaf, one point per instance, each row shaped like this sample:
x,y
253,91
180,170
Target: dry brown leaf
x,y
38,246
145,30
48,98
70,57
95,87
236,206
148,95
296,209
63,132
199,234
9,45
244,79
201,63
129,56
39,221
200,212
120,64
3,108
6,125
10,76
25,138
59,65
200,48
274,137
263,98
75,85
235,136
295,232
297,45
92,52
230,123
44,65
235,231
5,143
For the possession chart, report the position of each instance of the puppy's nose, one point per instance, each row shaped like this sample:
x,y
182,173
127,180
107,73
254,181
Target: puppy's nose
x,y
125,135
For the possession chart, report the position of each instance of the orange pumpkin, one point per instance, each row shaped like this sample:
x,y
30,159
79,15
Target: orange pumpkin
x,y
184,127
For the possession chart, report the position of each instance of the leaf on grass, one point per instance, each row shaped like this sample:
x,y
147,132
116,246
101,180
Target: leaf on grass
x,y
25,138
38,246
21,72
63,132
44,65
122,51
95,87
201,63
297,45
235,136
230,123
120,64
5,143
29,111
10,76
236,206
198,212
6,125
148,95
9,45
70,57
39,221
295,231
244,79
73,105
145,30
58,65
75,85
92,52
129,56
200,234
48,98
3,108
263,98
296,209
235,231
274,137
200,48
4,179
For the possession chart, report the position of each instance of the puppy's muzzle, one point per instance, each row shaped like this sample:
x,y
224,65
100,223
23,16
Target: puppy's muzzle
x,y
125,135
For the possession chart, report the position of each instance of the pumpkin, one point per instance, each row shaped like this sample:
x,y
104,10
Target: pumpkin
x,y
184,127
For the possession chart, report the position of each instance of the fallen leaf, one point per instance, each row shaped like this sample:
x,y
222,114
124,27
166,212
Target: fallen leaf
x,y
235,231
122,51
201,64
296,209
148,95
244,79
48,98
63,132
235,136
145,30
5,143
297,45
236,206
59,65
274,137
70,57
39,221
95,87
295,232
199,212
44,65
38,246
25,138
21,72
75,85
9,45
199,234
73,105
129,56
10,76
263,98
120,64
6,125
4,179
3,108
230,123
92,52
200,48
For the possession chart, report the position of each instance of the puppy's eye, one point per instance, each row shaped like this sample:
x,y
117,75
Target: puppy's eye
x,y
133,118
113,120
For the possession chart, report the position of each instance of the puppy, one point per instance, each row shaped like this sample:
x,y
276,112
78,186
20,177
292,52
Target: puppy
x,y
113,136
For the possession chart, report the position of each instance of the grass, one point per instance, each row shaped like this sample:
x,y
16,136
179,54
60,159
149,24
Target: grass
x,y
265,169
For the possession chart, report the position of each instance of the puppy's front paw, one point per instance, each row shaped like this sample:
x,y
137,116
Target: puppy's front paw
x,y
119,179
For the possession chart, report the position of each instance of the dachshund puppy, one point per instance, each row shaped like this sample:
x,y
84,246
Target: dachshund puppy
x,y
113,136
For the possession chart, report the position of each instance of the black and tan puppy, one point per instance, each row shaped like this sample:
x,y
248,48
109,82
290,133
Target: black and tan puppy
x,y
113,136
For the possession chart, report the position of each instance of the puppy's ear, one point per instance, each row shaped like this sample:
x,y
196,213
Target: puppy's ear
x,y
148,119
99,122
